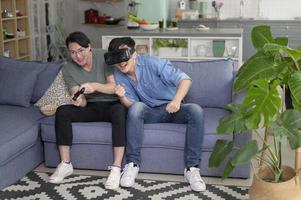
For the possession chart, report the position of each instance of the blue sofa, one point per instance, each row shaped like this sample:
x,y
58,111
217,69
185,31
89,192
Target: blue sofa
x,y
163,144
21,84
27,137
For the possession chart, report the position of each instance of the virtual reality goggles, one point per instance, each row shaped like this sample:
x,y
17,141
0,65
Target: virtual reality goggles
x,y
118,56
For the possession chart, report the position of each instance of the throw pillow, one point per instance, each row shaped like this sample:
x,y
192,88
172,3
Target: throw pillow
x,y
56,95
16,85
45,78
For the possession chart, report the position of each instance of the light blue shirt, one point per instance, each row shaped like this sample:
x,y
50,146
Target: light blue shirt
x,y
157,81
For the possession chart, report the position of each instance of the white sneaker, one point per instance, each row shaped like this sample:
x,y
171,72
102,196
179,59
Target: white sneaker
x,y
130,172
195,180
62,171
113,180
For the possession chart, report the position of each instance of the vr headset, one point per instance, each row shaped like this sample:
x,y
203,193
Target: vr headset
x,y
118,56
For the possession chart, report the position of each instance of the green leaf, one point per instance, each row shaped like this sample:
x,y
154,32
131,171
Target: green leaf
x,y
293,53
262,102
261,35
281,41
245,153
232,123
288,125
221,149
259,66
228,169
294,84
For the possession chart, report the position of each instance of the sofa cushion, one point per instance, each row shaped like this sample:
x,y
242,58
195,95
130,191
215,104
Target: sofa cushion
x,y
16,85
155,135
19,130
211,81
45,78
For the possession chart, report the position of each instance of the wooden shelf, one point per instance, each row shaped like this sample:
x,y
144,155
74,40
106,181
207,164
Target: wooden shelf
x,y
17,47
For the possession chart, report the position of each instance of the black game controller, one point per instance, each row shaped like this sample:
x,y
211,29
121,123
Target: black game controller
x,y
81,91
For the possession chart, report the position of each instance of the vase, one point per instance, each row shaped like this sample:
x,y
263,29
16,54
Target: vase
x,y
218,48
264,190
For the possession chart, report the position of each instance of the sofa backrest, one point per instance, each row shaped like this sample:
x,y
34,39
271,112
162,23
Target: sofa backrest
x,y
211,81
24,82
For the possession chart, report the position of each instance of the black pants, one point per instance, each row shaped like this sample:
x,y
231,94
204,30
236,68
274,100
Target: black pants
x,y
112,112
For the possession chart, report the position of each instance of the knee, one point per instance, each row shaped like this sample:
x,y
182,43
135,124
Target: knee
x,y
195,111
118,109
136,110
62,111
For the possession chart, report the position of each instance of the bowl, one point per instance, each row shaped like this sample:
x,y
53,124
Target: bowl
x,y
113,21
149,27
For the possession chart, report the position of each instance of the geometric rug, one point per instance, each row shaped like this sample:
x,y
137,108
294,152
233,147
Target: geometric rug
x,y
79,187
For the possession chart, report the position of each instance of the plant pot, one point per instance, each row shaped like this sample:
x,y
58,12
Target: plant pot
x,y
170,52
263,190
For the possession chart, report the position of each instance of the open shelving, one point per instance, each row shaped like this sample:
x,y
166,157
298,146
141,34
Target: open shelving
x,y
198,48
15,31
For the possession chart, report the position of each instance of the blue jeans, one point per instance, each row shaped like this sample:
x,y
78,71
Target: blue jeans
x,y
190,114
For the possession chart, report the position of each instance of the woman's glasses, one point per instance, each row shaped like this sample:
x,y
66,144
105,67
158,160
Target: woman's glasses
x,y
79,52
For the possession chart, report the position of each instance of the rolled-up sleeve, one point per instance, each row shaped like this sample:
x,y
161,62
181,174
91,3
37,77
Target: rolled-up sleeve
x,y
170,74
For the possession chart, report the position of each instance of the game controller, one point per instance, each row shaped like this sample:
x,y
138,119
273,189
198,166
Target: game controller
x,y
81,91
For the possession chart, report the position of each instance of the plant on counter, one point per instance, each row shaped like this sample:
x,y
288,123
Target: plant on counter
x,y
265,77
166,42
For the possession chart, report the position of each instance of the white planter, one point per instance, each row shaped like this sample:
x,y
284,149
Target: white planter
x,y
170,52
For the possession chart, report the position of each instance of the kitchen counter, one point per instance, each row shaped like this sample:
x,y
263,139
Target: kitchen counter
x,y
237,19
181,32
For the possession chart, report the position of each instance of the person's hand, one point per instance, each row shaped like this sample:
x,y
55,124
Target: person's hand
x,y
79,101
120,90
89,88
173,106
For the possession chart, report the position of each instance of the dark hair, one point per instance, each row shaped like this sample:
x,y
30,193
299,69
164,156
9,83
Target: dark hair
x,y
78,37
117,42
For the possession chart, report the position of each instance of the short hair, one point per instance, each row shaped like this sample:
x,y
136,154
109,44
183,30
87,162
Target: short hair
x,y
120,41
78,37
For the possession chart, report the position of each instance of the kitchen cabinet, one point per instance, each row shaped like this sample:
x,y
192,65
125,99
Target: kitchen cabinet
x,y
198,47
15,32
280,28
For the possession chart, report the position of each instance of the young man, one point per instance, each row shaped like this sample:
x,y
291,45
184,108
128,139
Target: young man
x,y
87,69
153,91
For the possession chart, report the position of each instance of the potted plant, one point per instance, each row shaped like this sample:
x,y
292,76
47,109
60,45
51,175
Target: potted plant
x,y
264,77
168,47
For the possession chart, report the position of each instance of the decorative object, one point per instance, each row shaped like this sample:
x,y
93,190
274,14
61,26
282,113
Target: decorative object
x,y
57,94
231,51
217,8
170,52
170,47
35,185
218,48
262,189
149,27
265,77
142,49
202,50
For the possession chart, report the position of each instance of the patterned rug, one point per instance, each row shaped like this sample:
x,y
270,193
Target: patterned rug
x,y
79,187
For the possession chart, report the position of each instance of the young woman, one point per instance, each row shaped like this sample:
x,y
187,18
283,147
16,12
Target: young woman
x,y
87,69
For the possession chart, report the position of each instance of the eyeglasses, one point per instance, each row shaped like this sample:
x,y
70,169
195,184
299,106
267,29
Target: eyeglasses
x,y
81,52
